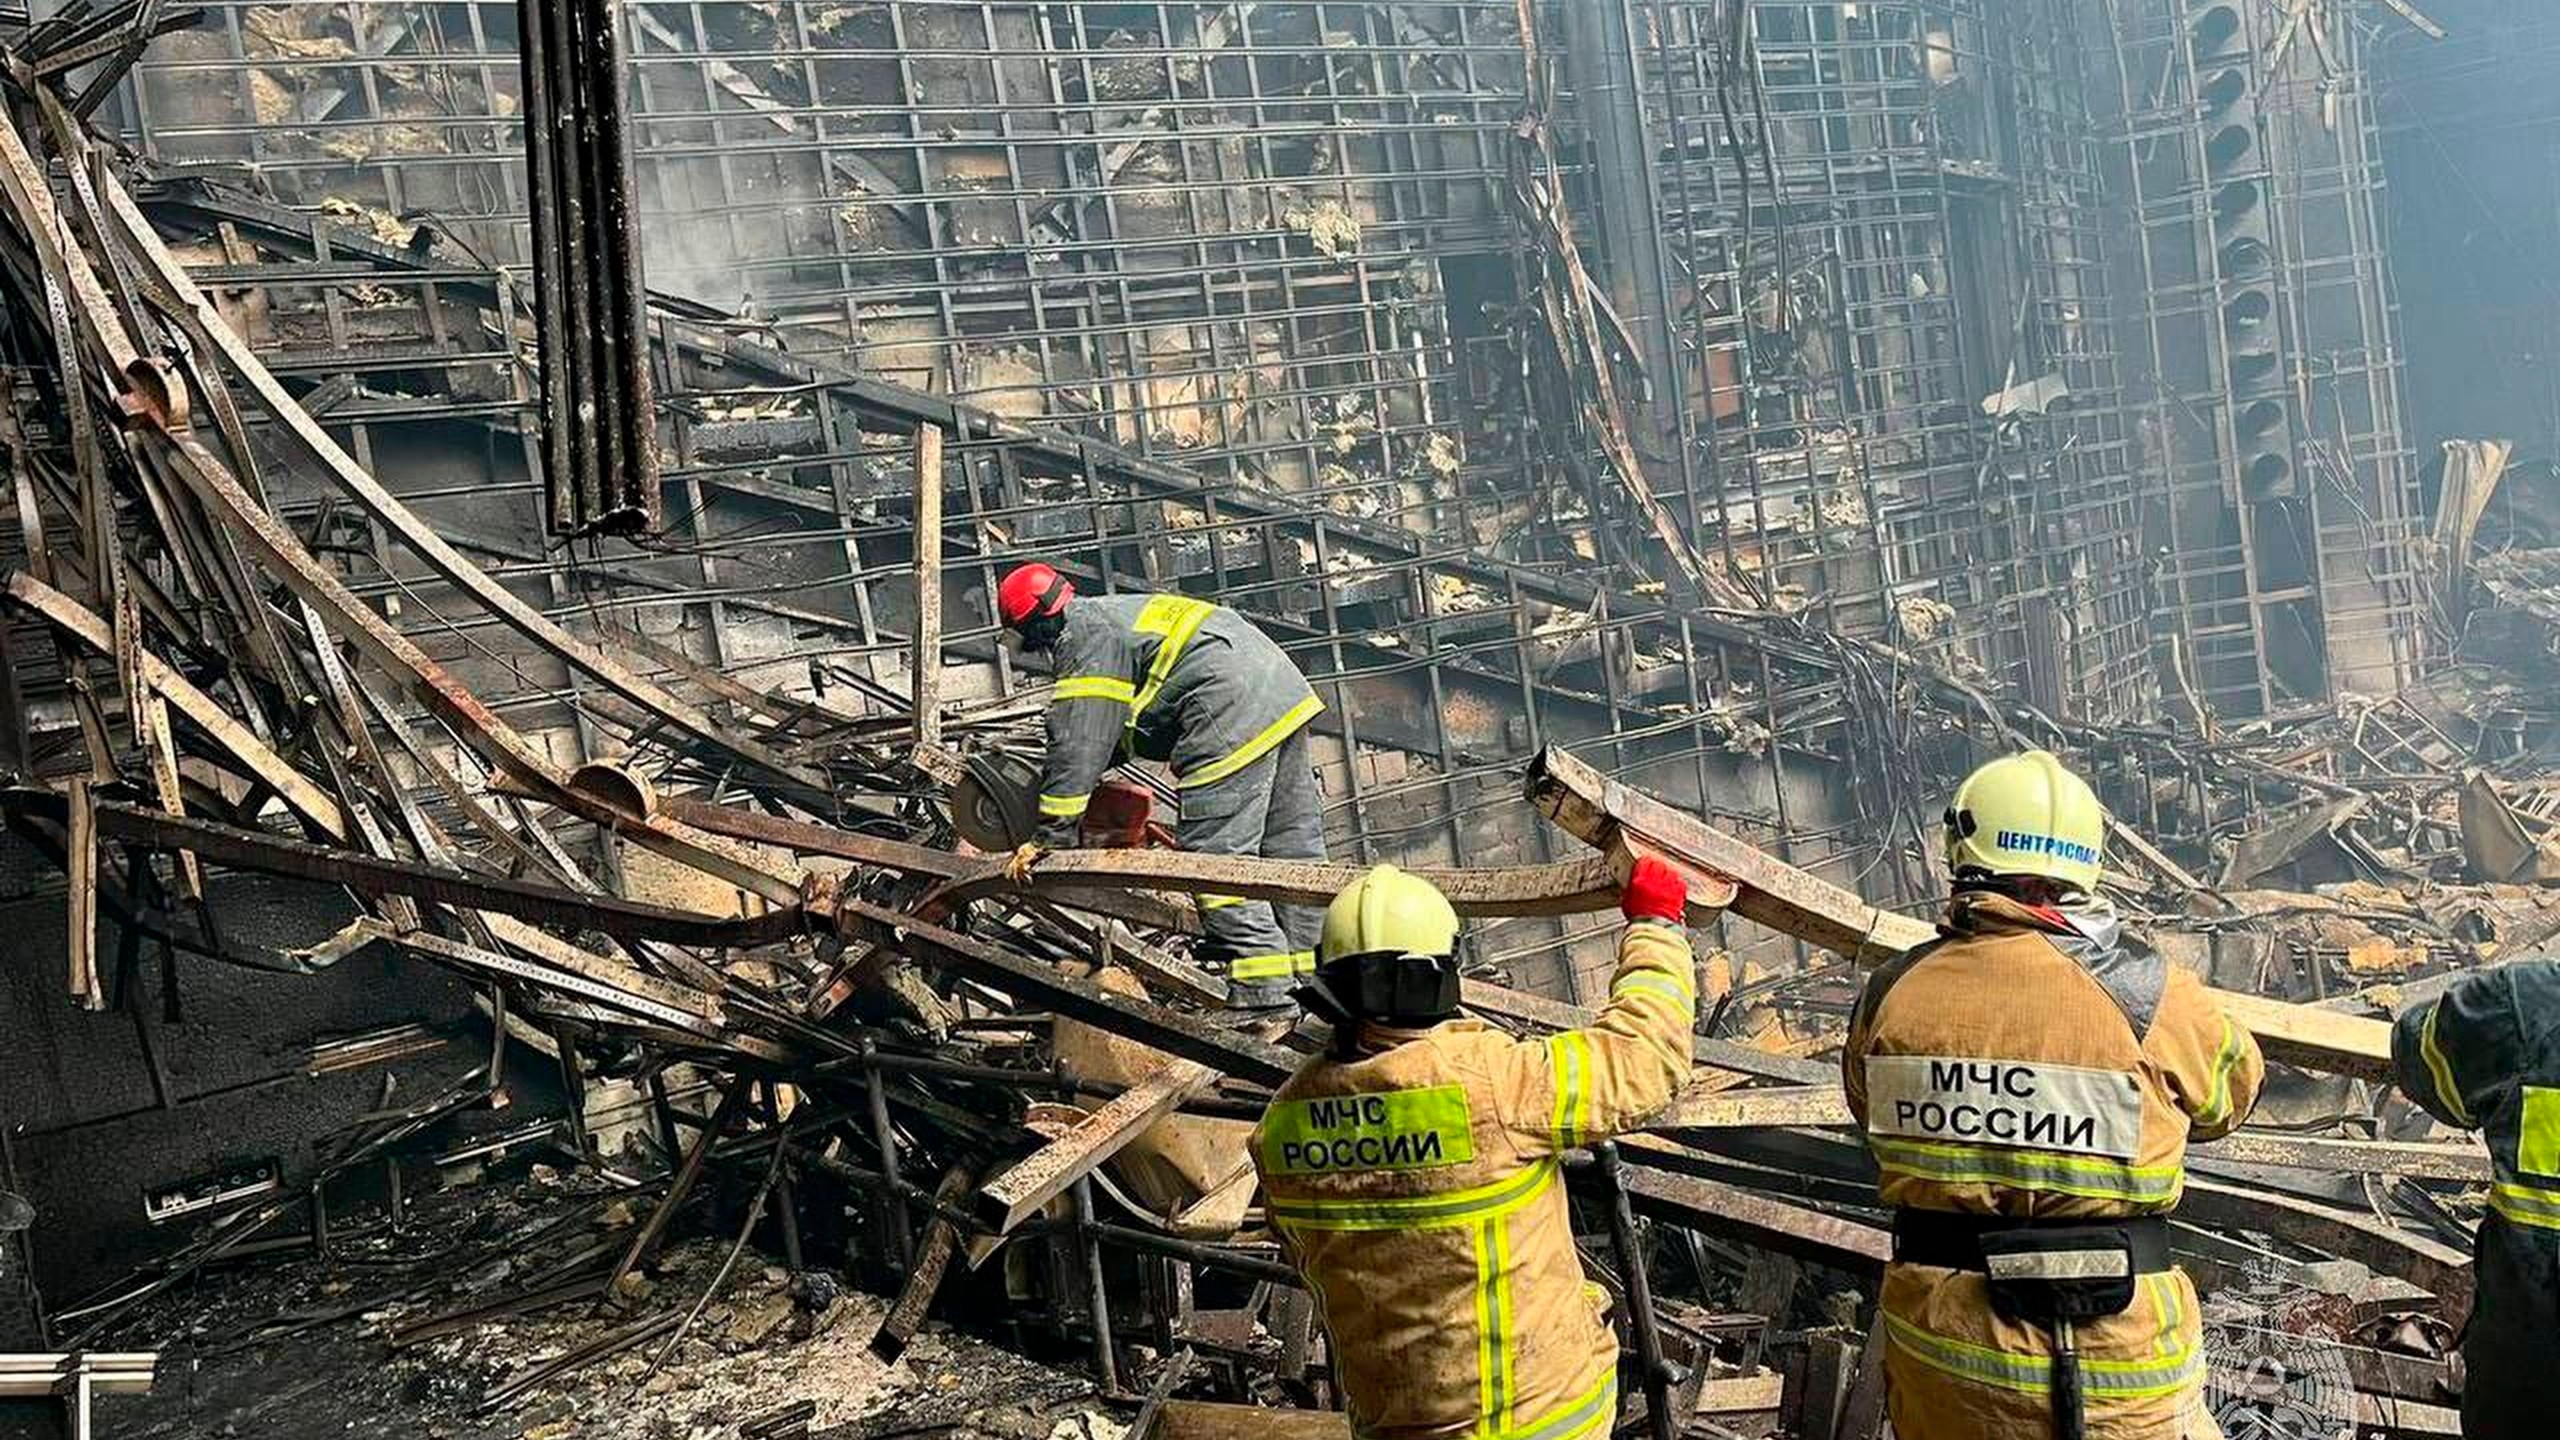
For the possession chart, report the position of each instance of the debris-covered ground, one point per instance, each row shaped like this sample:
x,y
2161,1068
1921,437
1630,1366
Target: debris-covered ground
x,y
311,1346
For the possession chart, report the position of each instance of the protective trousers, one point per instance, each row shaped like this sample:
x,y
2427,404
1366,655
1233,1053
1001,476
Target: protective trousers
x,y
2506,1348
1271,808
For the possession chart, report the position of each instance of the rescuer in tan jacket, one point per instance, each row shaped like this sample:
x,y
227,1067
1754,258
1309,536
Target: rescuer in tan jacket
x,y
2028,1084
1412,1172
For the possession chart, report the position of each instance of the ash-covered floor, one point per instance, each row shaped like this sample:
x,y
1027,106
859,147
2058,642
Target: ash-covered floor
x,y
307,1346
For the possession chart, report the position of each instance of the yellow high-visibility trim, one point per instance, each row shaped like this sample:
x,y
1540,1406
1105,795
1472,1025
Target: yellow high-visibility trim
x,y
1177,618
2164,1298
1272,967
1569,1056
1457,1207
2526,1204
2104,1379
1096,687
1253,749
1581,1416
1217,902
2217,1099
1654,984
1065,807
1578,1417
2538,1140
1679,980
1482,1293
2441,1070
1497,1245
2088,1177
1168,614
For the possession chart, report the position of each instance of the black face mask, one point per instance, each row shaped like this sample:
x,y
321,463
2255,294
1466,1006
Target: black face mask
x,y
1040,632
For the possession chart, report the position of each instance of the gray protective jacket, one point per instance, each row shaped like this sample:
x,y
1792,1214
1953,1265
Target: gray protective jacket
x,y
1162,677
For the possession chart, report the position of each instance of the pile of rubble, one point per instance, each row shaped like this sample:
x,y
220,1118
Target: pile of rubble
x,y
413,1333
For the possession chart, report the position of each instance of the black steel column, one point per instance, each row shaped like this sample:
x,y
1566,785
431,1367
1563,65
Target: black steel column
x,y
599,415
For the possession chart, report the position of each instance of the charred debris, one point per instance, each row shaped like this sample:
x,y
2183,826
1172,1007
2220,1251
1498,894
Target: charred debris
x,y
1697,425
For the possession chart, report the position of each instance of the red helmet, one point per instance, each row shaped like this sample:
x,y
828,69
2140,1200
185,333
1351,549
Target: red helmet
x,y
1032,591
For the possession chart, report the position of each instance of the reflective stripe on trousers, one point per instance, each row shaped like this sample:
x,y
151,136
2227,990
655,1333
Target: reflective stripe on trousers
x,y
2174,1365
1272,967
1592,1409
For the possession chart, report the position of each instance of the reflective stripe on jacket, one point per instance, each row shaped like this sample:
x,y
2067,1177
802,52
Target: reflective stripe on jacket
x,y
1417,1189
2485,1056
1162,677
2032,1024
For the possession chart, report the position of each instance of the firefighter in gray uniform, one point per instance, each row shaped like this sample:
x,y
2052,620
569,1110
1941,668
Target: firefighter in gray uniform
x,y
2486,1056
1171,678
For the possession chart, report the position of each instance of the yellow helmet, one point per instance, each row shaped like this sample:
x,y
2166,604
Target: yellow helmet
x,y
1388,954
2027,815
1388,912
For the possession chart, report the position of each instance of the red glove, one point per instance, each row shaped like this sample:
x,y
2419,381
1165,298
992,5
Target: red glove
x,y
1654,891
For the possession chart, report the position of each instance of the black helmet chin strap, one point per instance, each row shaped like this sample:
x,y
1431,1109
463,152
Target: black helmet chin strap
x,y
1317,998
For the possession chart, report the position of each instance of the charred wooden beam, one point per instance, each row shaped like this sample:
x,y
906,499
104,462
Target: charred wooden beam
x,y
1576,887
1743,1109
1045,1174
1537,1012
1569,888
587,977
2432,1265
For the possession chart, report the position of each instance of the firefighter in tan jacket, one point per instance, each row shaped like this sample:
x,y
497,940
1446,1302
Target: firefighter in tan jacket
x,y
1413,1172
2028,1084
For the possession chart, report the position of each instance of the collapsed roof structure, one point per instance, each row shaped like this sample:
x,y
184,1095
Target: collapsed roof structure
x,y
1731,417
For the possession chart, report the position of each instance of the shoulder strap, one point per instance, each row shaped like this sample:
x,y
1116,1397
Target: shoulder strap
x,y
2132,973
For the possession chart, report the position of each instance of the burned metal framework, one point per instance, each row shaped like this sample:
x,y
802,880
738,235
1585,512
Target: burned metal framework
x,y
1872,337
2283,486
1866,357
1876,320
1346,460
1202,231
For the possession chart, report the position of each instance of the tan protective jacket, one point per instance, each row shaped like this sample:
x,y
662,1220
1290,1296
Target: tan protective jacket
x,y
1416,1189
2030,1063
